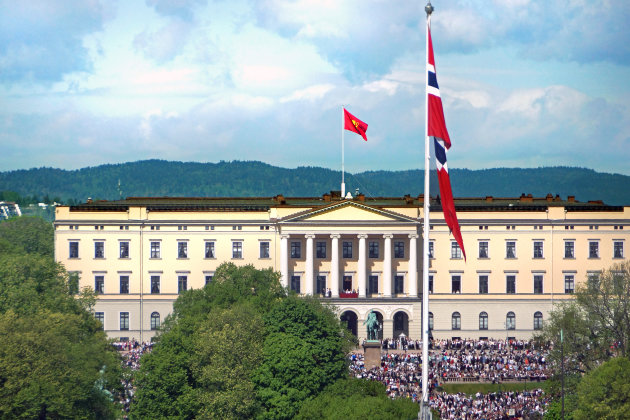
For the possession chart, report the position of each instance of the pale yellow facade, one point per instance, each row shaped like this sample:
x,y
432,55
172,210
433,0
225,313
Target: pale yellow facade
x,y
523,256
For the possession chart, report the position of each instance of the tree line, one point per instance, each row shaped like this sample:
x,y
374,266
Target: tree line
x,y
247,179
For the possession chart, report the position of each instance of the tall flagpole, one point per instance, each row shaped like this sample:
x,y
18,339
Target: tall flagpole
x,y
426,227
343,183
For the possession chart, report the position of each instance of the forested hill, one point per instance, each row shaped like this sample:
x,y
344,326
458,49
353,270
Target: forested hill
x,y
237,178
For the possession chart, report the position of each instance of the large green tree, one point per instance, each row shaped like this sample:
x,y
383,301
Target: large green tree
x,y
51,347
178,379
304,351
604,393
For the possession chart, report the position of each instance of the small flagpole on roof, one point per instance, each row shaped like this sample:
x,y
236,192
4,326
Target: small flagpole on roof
x,y
343,183
426,228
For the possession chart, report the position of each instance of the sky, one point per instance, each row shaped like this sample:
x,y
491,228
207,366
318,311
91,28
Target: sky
x,y
524,83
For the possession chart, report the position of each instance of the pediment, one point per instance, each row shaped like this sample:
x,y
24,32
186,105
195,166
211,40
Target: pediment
x,y
348,211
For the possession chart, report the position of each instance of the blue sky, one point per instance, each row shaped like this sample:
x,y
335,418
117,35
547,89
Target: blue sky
x,y
524,83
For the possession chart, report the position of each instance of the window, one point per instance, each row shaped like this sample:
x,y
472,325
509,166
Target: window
x,y
124,285
295,284
510,321
456,321
456,251
430,320
373,249
99,249
264,249
538,249
373,285
430,283
593,249
296,250
321,284
321,249
593,280
73,282
538,321
483,283
399,249
182,284
237,249
569,249
155,250
100,317
182,249
431,246
347,249
618,249
483,249
124,249
538,284
155,285
569,283
456,284
209,251
209,278
124,321
74,250
155,321
99,284
510,284
347,284
483,321
510,249
399,284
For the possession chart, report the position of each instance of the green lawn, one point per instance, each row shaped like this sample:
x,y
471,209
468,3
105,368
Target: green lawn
x,y
471,388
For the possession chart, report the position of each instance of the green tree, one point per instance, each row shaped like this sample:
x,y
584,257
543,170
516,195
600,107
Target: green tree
x,y
604,393
352,398
228,349
304,352
176,379
49,363
32,234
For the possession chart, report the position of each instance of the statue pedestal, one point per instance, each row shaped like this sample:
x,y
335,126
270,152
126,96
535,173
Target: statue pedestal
x,y
372,354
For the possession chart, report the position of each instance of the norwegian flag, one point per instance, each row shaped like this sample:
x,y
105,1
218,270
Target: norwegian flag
x,y
437,131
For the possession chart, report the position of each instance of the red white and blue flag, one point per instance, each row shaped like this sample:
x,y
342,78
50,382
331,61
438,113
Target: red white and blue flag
x,y
437,130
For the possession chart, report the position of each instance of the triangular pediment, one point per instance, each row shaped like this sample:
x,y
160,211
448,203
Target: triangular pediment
x,y
348,211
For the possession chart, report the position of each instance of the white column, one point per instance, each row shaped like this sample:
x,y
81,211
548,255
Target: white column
x,y
334,265
362,269
309,265
284,261
387,266
412,273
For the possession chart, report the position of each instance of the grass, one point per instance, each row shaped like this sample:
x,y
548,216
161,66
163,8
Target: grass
x,y
472,388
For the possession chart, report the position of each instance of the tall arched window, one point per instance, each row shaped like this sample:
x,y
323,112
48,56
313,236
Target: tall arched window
x,y
430,320
510,321
456,321
538,320
483,321
155,320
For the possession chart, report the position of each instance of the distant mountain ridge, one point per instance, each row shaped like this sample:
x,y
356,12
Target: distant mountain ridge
x,y
253,178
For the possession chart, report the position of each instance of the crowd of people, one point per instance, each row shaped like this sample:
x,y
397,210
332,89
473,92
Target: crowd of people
x,y
496,405
131,352
461,361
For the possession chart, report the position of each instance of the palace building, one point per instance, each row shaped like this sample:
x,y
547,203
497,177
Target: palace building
x,y
359,254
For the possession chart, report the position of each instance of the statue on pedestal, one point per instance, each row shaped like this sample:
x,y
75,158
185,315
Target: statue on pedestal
x,y
372,326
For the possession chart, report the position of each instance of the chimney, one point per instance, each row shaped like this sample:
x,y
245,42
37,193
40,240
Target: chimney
x,y
571,199
408,199
360,197
89,200
526,198
327,197
549,197
280,199
489,199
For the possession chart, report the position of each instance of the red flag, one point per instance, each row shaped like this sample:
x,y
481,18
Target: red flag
x,y
352,123
437,130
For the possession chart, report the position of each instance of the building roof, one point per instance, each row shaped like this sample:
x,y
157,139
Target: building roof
x,y
488,203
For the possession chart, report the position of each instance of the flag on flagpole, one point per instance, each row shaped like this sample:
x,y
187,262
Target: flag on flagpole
x,y
437,130
352,123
